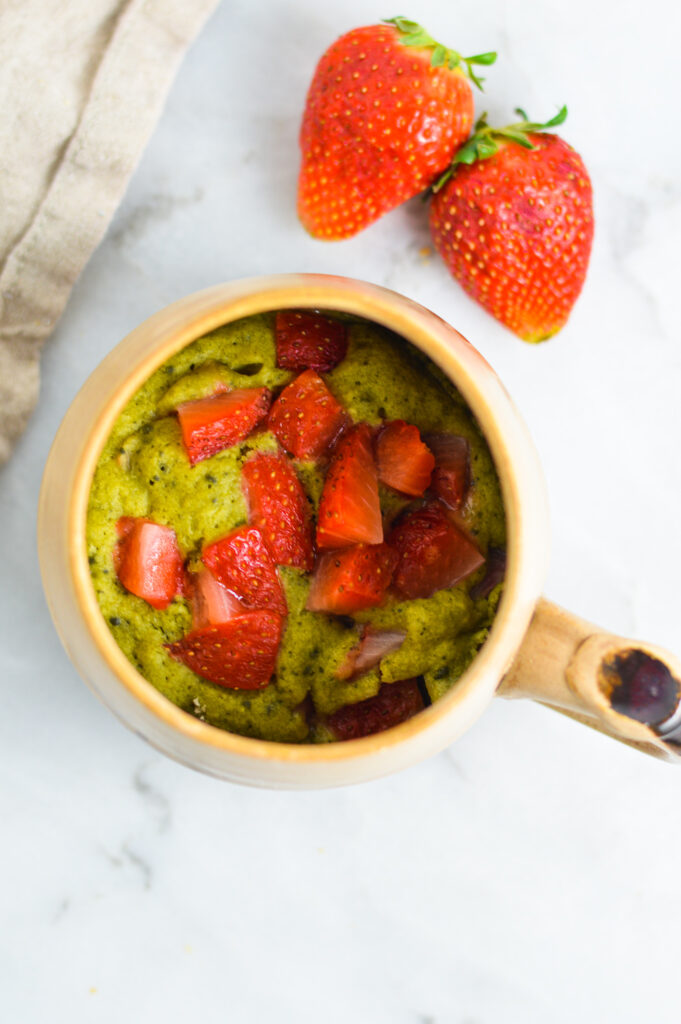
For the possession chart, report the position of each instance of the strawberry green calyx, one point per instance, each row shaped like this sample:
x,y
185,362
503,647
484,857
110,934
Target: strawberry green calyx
x,y
484,142
442,56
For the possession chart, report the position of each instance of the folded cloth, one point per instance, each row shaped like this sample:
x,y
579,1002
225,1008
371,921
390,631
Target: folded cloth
x,y
82,83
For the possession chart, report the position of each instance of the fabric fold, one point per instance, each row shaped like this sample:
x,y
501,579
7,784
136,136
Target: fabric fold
x,y
85,87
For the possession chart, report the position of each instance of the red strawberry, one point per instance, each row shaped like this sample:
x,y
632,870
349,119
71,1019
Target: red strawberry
x,y
306,417
515,226
279,508
211,424
385,112
402,458
148,560
240,654
452,474
211,602
349,510
495,572
307,340
354,578
433,552
394,703
373,646
241,562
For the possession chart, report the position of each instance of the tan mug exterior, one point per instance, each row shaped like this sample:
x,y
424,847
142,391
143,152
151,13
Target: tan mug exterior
x,y
534,649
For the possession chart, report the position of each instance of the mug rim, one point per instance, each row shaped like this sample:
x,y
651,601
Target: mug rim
x,y
177,325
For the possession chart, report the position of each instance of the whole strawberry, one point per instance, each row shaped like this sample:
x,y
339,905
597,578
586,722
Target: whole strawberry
x,y
385,113
513,221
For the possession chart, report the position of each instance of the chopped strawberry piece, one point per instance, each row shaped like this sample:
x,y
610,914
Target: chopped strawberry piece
x,y
211,424
148,561
351,579
394,703
452,474
349,509
402,458
373,646
211,602
240,654
307,340
241,561
495,572
433,552
278,507
306,417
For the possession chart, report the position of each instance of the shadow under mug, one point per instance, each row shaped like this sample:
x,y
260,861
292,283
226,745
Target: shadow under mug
x,y
627,689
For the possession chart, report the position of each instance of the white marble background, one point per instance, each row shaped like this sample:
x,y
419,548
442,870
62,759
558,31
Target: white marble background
x,y
529,874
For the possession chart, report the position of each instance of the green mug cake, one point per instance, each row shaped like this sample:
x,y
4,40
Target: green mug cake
x,y
296,531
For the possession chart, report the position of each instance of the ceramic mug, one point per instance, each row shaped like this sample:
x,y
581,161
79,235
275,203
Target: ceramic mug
x,y
627,689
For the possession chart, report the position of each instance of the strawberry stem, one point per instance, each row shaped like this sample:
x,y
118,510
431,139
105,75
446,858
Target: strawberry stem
x,y
484,142
441,56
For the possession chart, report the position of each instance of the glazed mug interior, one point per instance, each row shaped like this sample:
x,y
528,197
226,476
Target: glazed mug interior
x,y
498,665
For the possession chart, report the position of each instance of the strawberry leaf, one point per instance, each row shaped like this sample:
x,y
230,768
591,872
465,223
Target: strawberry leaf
x,y
403,24
438,57
475,79
515,136
469,153
557,119
485,140
485,148
483,58
415,35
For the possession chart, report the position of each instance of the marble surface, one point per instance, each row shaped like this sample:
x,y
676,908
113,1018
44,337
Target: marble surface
x,y
531,872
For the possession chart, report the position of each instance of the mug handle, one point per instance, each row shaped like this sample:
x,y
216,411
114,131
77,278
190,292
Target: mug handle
x,y
624,688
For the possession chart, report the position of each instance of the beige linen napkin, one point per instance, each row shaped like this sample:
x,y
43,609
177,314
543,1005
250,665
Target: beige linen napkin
x,y
82,83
